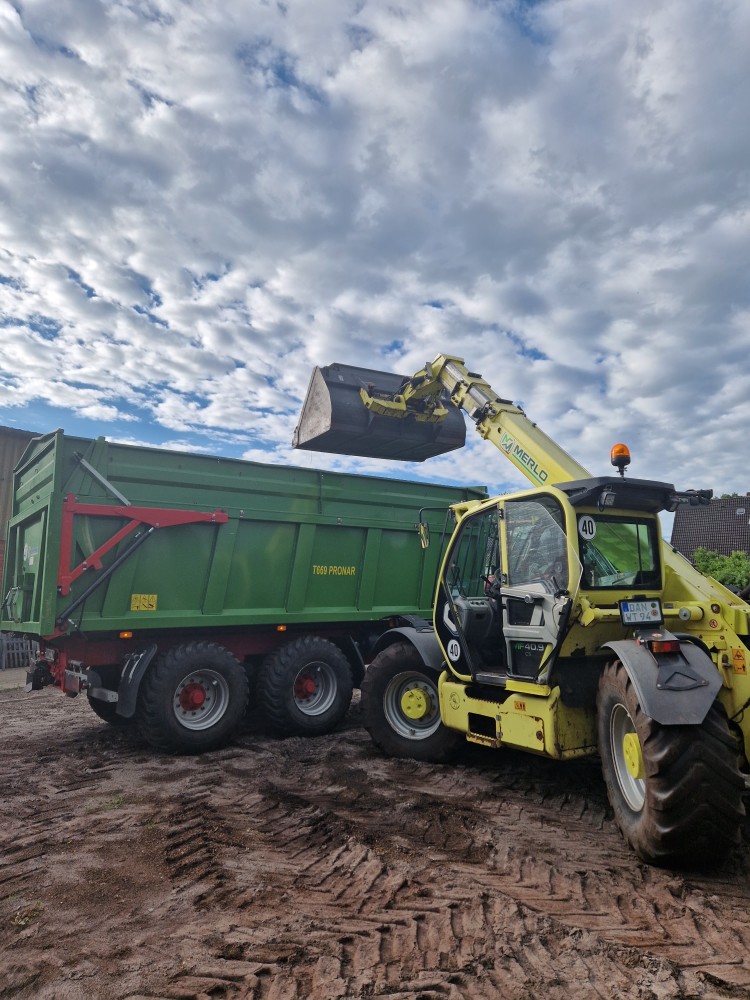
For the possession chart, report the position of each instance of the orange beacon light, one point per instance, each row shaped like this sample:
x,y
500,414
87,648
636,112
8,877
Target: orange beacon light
x,y
619,456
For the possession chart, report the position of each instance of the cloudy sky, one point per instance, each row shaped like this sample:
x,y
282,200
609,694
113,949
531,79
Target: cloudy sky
x,y
199,201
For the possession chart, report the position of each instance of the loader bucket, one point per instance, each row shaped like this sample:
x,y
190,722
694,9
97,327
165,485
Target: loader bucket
x,y
334,419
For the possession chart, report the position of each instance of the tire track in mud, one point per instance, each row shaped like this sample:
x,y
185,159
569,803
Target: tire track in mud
x,y
564,845
38,798
374,905
69,846
309,870
588,879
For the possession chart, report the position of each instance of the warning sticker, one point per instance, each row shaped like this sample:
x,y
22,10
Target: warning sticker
x,y
739,663
143,602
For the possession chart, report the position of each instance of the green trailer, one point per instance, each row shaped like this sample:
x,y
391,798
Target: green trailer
x,y
167,585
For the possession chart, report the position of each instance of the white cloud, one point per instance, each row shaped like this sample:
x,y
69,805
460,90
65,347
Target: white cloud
x,y
199,202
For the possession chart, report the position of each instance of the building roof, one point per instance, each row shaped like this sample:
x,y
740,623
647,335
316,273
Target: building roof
x,y
723,526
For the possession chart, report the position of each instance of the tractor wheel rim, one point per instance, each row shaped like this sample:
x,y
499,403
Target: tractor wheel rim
x,y
314,688
633,789
412,688
200,699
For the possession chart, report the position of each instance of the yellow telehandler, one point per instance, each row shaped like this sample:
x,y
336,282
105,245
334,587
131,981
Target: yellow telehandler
x,y
562,623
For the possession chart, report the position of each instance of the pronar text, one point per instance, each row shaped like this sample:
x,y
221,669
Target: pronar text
x,y
334,570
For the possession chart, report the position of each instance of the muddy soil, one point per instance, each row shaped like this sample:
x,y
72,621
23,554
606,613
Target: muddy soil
x,y
318,869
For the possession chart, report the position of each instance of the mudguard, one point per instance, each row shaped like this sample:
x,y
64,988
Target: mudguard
x,y
352,652
130,680
674,689
421,637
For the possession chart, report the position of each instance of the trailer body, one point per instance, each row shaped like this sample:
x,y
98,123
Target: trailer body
x,y
116,553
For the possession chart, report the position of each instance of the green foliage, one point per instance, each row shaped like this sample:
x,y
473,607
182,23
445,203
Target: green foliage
x,y
732,571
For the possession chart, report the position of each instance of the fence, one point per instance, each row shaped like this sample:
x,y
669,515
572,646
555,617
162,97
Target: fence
x,y
15,651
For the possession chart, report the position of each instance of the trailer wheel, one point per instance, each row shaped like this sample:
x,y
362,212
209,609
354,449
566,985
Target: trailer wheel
x,y
676,791
193,699
401,707
107,711
305,687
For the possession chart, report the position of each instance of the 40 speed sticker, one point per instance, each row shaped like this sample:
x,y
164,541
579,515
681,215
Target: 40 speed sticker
x,y
454,650
587,527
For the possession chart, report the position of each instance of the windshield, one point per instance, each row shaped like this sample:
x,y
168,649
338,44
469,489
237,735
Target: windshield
x,y
619,552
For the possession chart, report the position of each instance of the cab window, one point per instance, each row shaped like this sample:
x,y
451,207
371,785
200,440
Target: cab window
x,y
475,556
619,552
537,545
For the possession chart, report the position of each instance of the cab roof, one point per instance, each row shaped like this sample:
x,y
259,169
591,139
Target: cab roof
x,y
630,494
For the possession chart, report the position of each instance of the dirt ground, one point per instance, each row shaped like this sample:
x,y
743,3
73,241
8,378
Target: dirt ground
x,y
317,869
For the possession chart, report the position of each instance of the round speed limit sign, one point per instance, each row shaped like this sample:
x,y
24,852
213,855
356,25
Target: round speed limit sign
x,y
587,527
454,650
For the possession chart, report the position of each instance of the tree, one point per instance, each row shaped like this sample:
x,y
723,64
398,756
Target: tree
x,y
733,571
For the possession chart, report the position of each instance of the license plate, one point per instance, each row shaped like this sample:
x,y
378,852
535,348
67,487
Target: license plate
x,y
641,612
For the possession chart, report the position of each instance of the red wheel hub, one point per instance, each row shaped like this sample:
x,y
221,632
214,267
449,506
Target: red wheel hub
x,y
192,697
304,687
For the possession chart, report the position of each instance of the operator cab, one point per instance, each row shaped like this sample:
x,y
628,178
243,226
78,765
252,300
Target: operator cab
x,y
515,566
505,591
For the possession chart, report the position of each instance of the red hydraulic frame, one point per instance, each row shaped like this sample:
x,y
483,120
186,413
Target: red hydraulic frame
x,y
155,517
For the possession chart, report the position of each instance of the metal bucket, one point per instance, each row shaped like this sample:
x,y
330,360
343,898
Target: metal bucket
x,y
334,419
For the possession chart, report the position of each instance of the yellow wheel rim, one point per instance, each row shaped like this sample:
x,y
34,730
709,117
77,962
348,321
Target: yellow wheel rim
x,y
633,756
415,704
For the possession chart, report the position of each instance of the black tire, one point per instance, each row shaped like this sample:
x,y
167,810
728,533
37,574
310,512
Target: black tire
x,y
683,805
305,688
107,712
398,673
193,699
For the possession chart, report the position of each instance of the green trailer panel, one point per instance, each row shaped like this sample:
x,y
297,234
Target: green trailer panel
x,y
277,544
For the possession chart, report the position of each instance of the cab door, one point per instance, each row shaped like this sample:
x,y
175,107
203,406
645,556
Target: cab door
x,y
541,575
468,620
